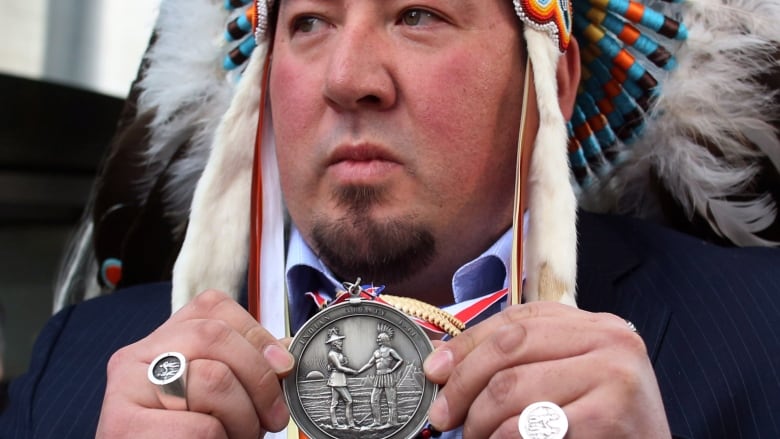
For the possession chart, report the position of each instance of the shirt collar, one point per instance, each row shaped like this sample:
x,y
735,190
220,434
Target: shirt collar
x,y
485,274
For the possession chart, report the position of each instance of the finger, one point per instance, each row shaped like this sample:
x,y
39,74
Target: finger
x,y
510,429
216,340
438,365
629,406
122,421
127,385
255,357
597,397
527,342
215,305
127,381
510,391
214,389
588,417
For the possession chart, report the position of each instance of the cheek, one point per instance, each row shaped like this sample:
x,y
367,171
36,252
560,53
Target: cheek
x,y
291,109
474,114
291,106
446,89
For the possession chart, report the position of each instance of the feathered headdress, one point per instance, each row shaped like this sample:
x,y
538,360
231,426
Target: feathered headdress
x,y
661,104
383,328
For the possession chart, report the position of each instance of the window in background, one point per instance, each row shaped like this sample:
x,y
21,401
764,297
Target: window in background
x,y
91,44
52,137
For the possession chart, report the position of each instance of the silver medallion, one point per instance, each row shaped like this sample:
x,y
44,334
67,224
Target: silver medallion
x,y
359,374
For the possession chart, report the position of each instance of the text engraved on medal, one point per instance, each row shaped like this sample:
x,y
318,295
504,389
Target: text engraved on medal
x,y
359,374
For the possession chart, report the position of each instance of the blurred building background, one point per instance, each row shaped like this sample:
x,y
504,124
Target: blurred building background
x,y
65,67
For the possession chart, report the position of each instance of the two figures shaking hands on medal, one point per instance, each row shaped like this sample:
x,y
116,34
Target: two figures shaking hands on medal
x,y
384,359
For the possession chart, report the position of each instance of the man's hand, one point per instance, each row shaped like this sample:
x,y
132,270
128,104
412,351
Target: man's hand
x,y
233,388
592,365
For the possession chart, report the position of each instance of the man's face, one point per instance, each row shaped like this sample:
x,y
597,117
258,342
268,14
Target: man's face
x,y
396,130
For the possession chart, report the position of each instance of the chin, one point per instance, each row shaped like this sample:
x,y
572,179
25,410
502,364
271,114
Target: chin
x,y
380,251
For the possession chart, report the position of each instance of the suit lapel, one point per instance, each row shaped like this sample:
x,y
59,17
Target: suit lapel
x,y
611,278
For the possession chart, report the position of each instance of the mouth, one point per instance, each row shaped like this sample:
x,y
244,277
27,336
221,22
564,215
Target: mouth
x,y
361,164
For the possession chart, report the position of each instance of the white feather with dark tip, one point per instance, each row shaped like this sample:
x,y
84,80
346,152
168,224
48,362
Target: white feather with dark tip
x,y
216,245
188,90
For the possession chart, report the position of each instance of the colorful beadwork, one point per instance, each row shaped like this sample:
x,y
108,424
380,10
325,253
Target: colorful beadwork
x,y
550,16
617,86
239,54
235,4
428,432
241,26
262,10
111,272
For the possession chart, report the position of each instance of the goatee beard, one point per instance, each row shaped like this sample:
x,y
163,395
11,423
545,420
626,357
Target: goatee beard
x,y
383,251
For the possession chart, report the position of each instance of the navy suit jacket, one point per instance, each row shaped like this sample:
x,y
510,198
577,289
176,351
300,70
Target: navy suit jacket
x,y
709,317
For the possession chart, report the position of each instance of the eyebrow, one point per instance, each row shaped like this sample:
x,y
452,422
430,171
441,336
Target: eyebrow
x,y
469,5
465,7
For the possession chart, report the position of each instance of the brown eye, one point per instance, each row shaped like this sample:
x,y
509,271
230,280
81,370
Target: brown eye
x,y
416,17
305,24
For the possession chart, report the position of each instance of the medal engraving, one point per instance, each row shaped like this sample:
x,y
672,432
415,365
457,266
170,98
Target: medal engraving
x,y
359,374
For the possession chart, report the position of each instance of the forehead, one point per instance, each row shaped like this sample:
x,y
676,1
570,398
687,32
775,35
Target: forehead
x,y
459,3
464,6
464,11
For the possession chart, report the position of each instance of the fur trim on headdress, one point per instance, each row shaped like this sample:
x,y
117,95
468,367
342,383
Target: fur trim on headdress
x,y
711,126
216,246
551,244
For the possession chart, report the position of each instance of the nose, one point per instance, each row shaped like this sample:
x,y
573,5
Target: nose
x,y
358,75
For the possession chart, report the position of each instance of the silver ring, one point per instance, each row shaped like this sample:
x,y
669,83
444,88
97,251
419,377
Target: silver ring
x,y
168,372
543,420
631,326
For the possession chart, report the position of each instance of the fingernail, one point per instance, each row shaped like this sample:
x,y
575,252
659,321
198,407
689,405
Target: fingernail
x,y
439,362
439,414
278,358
